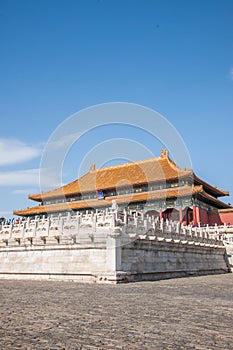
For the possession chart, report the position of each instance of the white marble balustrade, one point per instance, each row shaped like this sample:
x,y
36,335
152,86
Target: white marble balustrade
x,y
135,225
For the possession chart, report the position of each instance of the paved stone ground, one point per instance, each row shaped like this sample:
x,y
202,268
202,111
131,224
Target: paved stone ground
x,y
185,313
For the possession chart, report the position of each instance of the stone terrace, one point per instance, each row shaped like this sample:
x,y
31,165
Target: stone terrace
x,y
185,313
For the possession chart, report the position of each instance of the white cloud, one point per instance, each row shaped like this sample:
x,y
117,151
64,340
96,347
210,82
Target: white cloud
x,y
4,213
63,141
29,177
14,151
50,179
231,74
22,179
24,191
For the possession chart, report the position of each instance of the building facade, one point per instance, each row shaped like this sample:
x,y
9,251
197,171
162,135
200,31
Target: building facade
x,y
155,186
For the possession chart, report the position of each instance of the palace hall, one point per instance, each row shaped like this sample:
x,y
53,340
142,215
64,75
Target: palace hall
x,y
155,186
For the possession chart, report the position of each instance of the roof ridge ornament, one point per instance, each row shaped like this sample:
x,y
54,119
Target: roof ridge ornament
x,y
92,168
164,153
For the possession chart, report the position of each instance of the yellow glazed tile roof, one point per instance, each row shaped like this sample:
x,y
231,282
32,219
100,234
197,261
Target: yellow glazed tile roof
x,y
134,173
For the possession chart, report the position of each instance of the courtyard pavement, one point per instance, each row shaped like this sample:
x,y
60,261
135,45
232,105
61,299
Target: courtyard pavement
x,y
184,313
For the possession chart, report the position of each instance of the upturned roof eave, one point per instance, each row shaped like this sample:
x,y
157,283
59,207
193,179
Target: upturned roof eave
x,y
51,195
213,200
208,187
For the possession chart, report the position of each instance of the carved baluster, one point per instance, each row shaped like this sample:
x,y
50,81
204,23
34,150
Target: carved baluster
x,y
94,222
162,226
34,227
125,217
112,220
60,225
146,224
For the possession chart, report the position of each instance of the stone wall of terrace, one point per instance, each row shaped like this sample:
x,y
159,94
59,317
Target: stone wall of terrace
x,y
108,246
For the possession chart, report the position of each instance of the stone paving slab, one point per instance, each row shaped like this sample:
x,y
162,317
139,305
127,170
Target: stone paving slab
x,y
186,313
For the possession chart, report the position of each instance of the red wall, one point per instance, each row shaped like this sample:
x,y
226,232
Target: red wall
x,y
203,215
221,218
218,218
214,219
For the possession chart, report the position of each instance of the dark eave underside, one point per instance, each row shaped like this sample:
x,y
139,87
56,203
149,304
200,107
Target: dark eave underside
x,y
184,191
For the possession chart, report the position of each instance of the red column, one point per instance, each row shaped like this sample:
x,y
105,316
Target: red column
x,y
194,215
181,214
160,214
198,214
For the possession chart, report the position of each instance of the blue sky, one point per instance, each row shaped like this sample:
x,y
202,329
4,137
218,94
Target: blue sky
x,y
57,57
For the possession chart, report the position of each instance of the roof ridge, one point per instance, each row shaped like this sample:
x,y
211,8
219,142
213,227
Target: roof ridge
x,y
129,163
